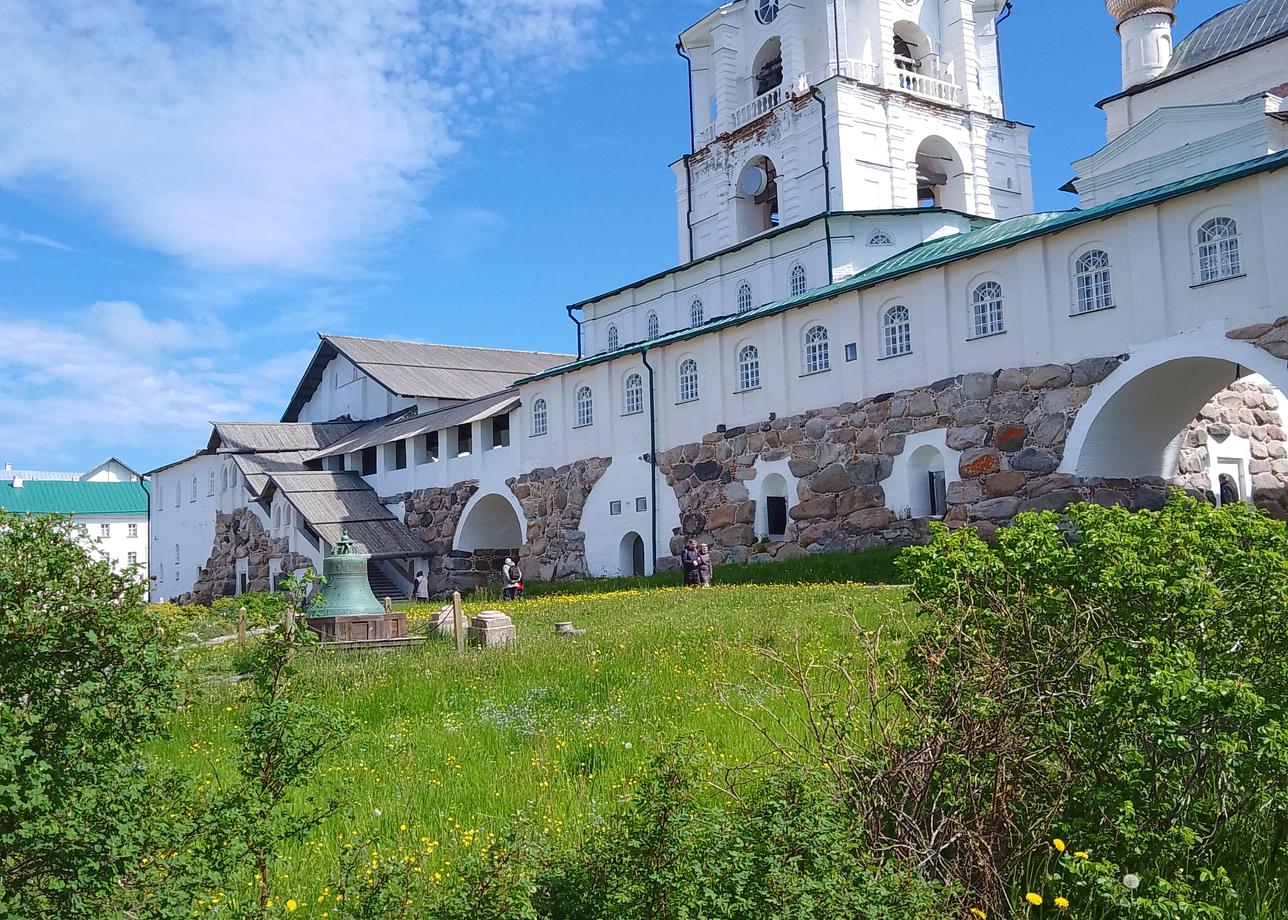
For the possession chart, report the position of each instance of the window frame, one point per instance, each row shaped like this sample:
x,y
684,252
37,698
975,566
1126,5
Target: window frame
x,y
1211,247
746,299
612,338
994,306
687,385
880,237
697,313
798,280
540,426
748,368
890,343
584,409
633,395
1085,281
653,326
811,350
131,531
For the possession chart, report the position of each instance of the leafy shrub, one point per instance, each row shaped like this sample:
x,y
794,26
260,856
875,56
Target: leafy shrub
x,y
1114,680
261,609
85,681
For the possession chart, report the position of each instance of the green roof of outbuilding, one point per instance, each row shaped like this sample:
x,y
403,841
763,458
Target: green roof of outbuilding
x,y
44,496
946,250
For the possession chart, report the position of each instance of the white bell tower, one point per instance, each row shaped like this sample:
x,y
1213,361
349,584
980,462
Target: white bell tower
x,y
1145,28
806,107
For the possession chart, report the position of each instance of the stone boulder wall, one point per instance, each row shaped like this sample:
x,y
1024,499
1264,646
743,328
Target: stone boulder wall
x,y
552,502
1010,427
240,535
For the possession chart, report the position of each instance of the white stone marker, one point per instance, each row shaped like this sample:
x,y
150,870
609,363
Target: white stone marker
x,y
492,628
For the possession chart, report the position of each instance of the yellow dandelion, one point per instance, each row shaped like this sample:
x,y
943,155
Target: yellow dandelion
x,y
976,912
1082,854
1058,844
1062,903
291,905
1034,898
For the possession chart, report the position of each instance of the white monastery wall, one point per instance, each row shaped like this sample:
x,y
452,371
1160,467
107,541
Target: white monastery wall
x,y
1241,76
345,390
183,524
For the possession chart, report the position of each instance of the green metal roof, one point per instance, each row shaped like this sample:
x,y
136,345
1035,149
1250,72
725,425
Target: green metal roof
x,y
45,496
949,249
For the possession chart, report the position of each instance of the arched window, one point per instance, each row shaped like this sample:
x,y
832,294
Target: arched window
x,y
896,332
986,310
633,395
880,238
653,329
210,487
799,282
1218,252
744,297
697,316
223,480
768,64
748,368
816,357
612,337
1092,283
585,407
277,518
193,498
176,555
160,571
688,380
540,417
767,11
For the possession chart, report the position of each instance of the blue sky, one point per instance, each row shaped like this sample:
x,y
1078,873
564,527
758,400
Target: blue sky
x,y
190,191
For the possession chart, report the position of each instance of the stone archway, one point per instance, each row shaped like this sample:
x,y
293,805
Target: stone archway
x,y
1182,411
489,523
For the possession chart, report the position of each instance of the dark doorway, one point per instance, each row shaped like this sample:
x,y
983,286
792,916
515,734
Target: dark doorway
x,y
776,515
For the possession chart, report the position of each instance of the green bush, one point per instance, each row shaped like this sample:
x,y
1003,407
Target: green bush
x,y
261,609
85,680
1116,681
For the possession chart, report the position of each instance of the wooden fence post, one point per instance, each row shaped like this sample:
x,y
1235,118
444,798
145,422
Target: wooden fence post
x,y
241,629
458,622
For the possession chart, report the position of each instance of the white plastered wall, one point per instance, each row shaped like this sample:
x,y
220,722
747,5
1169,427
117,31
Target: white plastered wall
x,y
625,481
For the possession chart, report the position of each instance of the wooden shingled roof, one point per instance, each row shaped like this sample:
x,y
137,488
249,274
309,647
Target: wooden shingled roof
x,y
332,503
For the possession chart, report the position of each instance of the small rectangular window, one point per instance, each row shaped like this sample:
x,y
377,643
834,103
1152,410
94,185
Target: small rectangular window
x,y
368,461
641,504
131,558
501,431
132,530
337,464
400,455
852,351
614,507
431,447
104,530
464,440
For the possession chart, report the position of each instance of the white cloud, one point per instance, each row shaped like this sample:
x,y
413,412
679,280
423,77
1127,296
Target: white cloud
x,y
31,239
115,381
240,134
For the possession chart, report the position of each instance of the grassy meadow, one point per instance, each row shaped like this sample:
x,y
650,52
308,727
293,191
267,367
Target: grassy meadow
x,y
450,748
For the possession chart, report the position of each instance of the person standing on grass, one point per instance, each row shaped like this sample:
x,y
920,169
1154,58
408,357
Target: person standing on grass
x,y
420,588
706,568
513,577
692,564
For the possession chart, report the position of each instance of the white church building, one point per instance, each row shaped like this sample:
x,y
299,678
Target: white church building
x,y
869,328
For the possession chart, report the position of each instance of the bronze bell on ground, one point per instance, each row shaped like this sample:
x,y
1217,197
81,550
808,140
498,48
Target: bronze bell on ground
x,y
347,592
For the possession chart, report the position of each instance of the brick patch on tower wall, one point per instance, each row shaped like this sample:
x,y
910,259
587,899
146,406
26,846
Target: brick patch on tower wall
x,y
552,502
240,535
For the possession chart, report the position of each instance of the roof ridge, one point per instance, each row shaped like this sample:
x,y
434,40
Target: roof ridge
x,y
367,338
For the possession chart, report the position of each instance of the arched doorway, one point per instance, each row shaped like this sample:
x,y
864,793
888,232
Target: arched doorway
x,y
941,177
632,555
774,500
767,69
490,524
927,483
